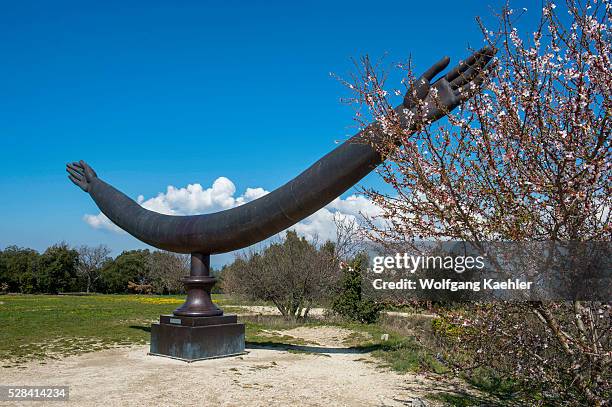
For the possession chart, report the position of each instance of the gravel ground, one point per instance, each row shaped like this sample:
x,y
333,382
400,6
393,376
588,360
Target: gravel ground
x,y
263,377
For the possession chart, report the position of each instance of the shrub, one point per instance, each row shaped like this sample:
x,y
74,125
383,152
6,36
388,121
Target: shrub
x,y
349,303
294,275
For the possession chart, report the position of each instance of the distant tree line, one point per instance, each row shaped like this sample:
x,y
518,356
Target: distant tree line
x,y
62,268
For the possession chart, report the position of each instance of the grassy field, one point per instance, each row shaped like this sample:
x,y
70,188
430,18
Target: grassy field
x,y
44,327
52,326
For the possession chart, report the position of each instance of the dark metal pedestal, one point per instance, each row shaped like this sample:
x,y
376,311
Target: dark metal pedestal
x,y
197,338
198,329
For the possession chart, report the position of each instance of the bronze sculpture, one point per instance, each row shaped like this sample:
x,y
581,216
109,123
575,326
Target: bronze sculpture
x,y
242,226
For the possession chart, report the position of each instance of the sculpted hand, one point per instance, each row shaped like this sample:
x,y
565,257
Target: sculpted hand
x,y
450,90
81,174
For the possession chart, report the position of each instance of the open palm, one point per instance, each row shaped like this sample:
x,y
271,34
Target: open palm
x,y
81,174
452,89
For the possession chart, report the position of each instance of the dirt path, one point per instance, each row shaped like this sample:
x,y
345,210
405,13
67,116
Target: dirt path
x,y
263,377
314,312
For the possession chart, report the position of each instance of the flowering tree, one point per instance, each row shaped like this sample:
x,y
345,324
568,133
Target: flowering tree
x,y
527,159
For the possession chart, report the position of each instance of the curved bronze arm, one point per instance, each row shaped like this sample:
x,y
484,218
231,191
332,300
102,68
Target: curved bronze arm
x,y
314,188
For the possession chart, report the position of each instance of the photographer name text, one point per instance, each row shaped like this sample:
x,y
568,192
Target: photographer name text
x,y
450,285
458,264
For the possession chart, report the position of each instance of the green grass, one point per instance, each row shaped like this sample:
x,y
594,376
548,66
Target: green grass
x,y
400,353
40,327
406,355
48,326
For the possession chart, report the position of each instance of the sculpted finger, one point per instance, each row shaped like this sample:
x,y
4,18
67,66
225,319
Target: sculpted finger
x,y
74,173
486,52
89,172
75,181
471,71
420,88
75,168
464,77
418,91
436,68
456,71
470,89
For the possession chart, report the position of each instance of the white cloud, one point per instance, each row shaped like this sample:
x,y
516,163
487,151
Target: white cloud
x,y
100,221
194,199
321,224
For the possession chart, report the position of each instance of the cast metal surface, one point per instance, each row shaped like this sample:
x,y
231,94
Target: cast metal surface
x,y
197,338
198,285
242,226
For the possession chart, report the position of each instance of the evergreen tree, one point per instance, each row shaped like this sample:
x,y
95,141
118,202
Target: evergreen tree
x,y
57,271
349,303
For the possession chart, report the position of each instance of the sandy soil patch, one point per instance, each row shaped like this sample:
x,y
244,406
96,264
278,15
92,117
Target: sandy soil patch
x,y
332,338
329,336
314,312
270,310
263,377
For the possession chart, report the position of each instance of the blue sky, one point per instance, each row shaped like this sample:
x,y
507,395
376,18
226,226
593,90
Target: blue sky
x,y
157,93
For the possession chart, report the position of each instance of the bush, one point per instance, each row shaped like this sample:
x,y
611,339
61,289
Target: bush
x,y
349,303
293,274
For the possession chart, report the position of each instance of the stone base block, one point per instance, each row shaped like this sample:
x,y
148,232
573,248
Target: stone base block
x,y
197,338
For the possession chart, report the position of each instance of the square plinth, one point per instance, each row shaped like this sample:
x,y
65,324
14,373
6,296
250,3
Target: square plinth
x,y
197,338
